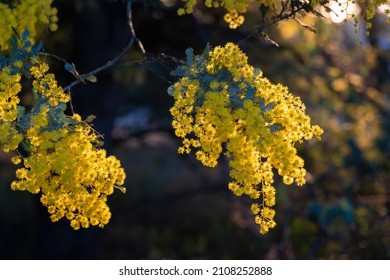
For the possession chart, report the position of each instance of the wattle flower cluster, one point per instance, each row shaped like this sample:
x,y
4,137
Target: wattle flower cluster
x,y
64,164
10,87
61,159
222,101
234,9
31,15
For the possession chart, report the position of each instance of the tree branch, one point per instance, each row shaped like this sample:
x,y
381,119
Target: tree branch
x,y
82,78
164,57
131,26
54,56
134,39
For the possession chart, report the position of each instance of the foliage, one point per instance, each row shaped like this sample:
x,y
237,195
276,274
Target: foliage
x,y
221,104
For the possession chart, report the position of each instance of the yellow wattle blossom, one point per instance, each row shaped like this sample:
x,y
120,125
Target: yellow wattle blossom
x,y
64,164
31,15
234,9
46,84
73,176
10,87
256,121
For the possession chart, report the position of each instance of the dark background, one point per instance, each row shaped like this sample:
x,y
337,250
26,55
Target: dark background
x,y
174,207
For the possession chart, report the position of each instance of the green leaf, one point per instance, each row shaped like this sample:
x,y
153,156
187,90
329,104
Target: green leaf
x,y
91,78
266,108
70,68
276,127
36,49
20,112
257,71
171,90
90,118
25,35
190,56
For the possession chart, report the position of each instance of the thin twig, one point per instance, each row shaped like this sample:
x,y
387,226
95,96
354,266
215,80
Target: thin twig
x,y
171,58
159,58
131,26
285,14
71,105
268,39
54,56
246,38
84,77
312,29
163,56
70,67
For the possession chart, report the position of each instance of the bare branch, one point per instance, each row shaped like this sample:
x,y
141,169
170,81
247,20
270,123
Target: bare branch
x,y
289,10
89,75
84,77
131,26
304,25
54,56
164,57
268,39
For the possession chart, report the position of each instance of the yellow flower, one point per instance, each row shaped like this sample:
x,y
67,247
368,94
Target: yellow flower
x,y
16,159
31,15
258,125
10,138
233,9
72,175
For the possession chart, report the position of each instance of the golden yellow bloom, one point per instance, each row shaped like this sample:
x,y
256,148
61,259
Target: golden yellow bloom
x,y
31,15
10,87
258,122
46,85
233,7
73,176
16,159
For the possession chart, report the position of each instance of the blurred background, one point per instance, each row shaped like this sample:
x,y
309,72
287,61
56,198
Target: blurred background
x,y
174,207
